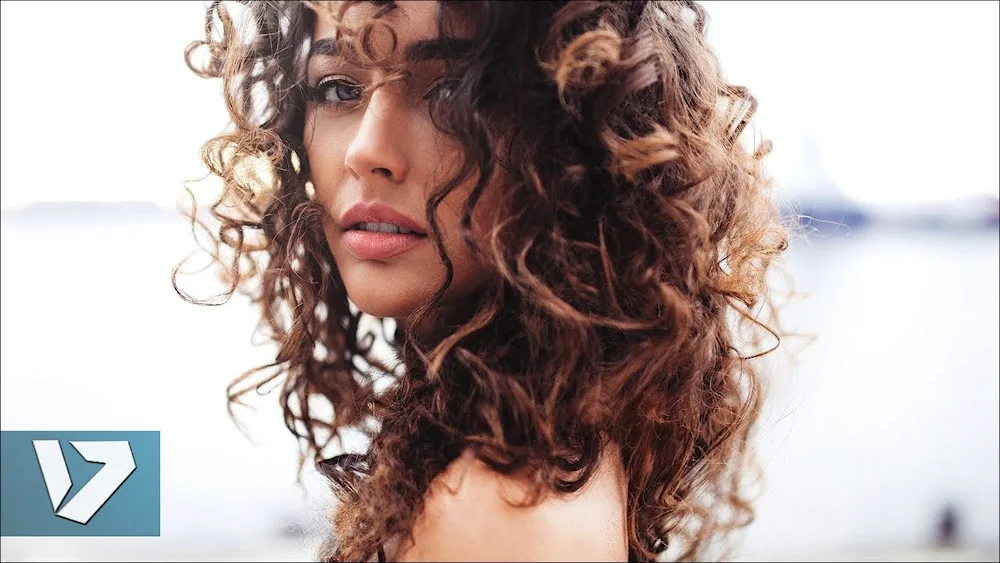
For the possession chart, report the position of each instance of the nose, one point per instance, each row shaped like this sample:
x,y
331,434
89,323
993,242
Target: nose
x,y
377,152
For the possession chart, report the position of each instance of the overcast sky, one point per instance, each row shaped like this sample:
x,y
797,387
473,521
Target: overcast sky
x,y
899,99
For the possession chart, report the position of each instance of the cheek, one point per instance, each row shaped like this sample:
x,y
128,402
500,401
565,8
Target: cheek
x,y
325,151
484,217
484,214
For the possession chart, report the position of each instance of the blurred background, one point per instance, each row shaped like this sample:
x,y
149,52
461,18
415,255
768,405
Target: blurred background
x,y
880,441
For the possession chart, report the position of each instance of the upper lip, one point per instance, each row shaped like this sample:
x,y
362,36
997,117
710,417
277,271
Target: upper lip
x,y
377,212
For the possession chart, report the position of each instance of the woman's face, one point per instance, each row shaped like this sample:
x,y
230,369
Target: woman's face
x,y
375,157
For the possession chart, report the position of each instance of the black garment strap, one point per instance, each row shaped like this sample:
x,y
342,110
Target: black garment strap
x,y
356,463
332,468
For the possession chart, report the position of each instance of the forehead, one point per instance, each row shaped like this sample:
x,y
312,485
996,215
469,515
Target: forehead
x,y
411,20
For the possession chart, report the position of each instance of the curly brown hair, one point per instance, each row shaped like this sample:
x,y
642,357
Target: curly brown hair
x,y
629,252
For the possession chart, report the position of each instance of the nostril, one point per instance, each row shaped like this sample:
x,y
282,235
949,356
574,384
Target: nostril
x,y
383,172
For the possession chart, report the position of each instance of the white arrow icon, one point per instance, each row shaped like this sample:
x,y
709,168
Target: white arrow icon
x,y
118,465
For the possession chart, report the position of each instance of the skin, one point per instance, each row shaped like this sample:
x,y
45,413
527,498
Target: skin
x,y
472,502
387,149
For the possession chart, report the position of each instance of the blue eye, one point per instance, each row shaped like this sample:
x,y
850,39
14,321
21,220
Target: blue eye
x,y
335,91
443,89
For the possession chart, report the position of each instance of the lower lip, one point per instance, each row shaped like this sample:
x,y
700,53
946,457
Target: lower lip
x,y
367,245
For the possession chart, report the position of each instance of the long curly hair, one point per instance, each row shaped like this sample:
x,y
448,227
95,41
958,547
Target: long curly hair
x,y
629,250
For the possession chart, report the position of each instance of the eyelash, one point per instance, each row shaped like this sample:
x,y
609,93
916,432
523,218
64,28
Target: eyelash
x,y
319,93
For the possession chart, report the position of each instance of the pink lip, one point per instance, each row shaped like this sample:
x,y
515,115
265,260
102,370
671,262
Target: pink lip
x,y
379,246
368,245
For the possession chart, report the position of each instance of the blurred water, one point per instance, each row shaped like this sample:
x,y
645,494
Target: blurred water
x,y
892,412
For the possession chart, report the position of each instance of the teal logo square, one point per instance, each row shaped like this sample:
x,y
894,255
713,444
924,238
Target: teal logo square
x,y
79,483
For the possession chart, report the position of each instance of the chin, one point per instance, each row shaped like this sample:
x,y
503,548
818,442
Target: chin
x,y
398,287
381,305
387,290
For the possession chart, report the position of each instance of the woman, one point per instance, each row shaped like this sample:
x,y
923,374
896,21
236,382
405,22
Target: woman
x,y
550,203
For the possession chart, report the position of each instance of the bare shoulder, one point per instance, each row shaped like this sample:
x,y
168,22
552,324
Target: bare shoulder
x,y
471,514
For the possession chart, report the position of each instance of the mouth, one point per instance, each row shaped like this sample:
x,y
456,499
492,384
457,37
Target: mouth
x,y
388,228
375,231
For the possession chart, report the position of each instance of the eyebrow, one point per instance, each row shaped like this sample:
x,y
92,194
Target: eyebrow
x,y
444,48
